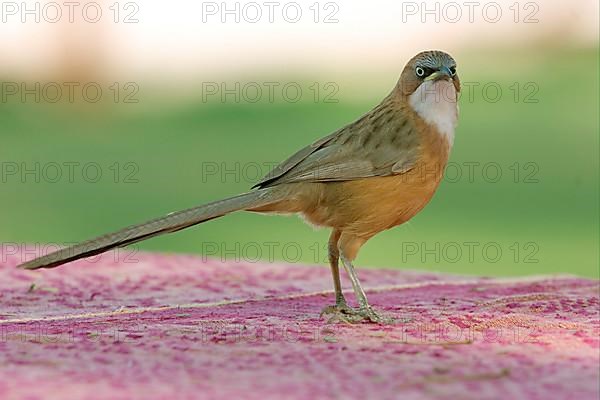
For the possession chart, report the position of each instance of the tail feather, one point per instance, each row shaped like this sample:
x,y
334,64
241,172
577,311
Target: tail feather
x,y
169,223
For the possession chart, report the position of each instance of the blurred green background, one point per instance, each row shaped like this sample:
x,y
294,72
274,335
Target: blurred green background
x,y
542,213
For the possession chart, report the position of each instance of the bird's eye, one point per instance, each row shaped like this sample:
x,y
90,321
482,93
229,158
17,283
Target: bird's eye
x,y
453,70
420,72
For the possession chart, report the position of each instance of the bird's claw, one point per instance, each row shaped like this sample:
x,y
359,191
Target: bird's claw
x,y
367,313
344,313
338,308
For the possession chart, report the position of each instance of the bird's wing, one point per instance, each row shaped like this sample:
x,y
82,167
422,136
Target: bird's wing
x,y
383,142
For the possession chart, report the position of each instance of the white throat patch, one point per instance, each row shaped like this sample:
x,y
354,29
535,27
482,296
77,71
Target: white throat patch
x,y
435,102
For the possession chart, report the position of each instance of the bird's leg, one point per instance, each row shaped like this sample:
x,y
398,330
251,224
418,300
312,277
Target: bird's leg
x,y
365,311
340,307
334,256
345,247
348,247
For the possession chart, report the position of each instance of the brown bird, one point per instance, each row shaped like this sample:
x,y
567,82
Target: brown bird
x,y
369,176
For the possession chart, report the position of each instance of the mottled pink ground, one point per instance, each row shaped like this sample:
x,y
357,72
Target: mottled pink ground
x,y
179,327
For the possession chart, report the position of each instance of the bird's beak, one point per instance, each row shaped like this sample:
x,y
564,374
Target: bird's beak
x,y
442,73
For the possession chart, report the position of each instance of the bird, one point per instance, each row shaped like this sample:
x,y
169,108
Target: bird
x,y
366,177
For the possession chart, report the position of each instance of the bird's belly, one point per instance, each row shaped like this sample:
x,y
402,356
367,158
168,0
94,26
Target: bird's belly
x,y
371,205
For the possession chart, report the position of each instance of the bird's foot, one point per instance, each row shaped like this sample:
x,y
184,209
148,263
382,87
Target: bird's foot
x,y
368,314
339,308
344,313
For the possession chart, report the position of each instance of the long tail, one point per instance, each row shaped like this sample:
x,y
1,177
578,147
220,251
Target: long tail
x,y
169,223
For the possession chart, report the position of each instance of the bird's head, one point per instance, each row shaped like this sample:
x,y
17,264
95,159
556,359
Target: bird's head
x,y
428,67
430,86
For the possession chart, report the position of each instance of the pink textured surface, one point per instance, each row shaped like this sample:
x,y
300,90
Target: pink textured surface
x,y
173,326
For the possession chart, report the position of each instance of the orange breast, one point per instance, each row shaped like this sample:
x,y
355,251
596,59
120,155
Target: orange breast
x,y
370,205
